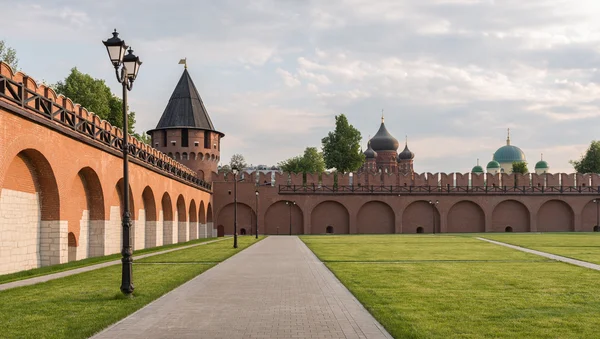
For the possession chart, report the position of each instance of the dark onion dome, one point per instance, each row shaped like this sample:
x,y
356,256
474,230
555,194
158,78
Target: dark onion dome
x,y
477,169
509,153
493,165
383,140
542,164
370,153
406,154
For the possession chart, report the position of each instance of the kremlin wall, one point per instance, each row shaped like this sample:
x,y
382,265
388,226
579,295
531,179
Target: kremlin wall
x,y
61,184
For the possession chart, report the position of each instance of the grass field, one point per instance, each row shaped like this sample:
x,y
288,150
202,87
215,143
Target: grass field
x,y
416,291
36,272
582,246
81,305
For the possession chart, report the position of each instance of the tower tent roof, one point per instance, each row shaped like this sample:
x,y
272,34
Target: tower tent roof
x,y
185,108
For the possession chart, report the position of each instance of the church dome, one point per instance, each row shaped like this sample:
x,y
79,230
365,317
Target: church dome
x,y
383,140
542,164
493,164
406,154
509,153
370,153
477,169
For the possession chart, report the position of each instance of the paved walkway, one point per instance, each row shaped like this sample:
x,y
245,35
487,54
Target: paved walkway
x,y
547,255
47,277
275,289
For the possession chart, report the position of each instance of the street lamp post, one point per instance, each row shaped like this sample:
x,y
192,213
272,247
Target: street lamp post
x,y
597,228
234,169
129,66
256,214
290,203
433,203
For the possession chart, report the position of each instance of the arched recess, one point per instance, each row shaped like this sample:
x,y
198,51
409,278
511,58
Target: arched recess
x,y
30,212
202,233
86,214
167,211
72,244
330,213
466,216
209,213
245,217
114,234
376,217
202,213
510,213
277,219
555,216
419,215
200,174
590,216
181,220
148,200
193,220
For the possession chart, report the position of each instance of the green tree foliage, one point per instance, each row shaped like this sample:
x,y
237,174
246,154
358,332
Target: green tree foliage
x,y
8,55
224,169
310,162
341,148
237,160
95,96
519,167
590,161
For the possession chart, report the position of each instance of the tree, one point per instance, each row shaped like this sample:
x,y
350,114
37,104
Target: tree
x,y
8,55
341,148
95,96
519,167
224,169
237,160
310,162
143,137
590,162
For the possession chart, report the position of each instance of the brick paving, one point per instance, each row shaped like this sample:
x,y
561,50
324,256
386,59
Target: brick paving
x,y
277,288
47,277
547,255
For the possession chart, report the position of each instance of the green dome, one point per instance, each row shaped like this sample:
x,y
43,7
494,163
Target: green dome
x,y
541,165
493,164
477,169
509,154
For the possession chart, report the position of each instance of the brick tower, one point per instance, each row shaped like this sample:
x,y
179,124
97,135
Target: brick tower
x,y
185,131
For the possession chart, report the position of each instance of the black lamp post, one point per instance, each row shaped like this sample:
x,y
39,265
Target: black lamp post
x,y
290,203
433,203
129,66
597,228
256,214
234,169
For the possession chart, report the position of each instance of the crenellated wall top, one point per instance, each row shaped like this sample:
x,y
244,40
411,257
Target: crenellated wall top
x,y
21,90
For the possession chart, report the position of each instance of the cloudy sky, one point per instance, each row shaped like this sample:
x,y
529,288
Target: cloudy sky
x,y
453,75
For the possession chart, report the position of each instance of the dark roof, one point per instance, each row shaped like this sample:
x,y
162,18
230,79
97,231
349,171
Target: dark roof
x,y
406,154
185,108
370,153
383,140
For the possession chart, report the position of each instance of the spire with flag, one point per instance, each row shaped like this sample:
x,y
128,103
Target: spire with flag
x,y
183,62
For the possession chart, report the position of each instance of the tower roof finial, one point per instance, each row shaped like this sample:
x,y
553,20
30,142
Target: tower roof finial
x,y
183,62
382,116
508,137
477,161
542,156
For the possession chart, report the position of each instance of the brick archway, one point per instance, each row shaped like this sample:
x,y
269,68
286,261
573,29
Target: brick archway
x,y
149,217
555,216
277,219
330,213
510,213
419,215
466,216
167,210
376,217
193,223
245,217
181,220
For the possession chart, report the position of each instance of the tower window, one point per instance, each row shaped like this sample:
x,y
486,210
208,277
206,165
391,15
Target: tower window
x,y
206,139
184,137
164,137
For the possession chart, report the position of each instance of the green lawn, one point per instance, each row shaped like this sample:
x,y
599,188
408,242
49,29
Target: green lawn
x,y
582,246
83,304
36,272
416,297
410,248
